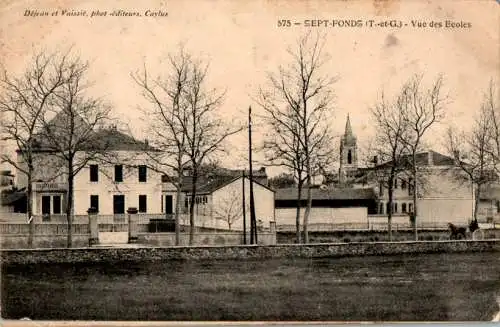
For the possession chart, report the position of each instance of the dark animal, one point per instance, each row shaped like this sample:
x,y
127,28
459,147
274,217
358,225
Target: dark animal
x,y
473,226
457,233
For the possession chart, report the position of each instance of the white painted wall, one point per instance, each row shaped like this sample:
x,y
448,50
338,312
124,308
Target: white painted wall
x,y
445,198
350,215
105,188
263,198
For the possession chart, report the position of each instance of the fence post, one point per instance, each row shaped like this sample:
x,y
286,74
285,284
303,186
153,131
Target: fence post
x,y
132,225
93,226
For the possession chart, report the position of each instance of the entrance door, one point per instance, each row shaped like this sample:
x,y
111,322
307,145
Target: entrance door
x,y
118,204
45,207
168,204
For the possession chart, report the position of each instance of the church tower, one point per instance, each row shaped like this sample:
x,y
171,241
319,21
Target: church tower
x,y
348,153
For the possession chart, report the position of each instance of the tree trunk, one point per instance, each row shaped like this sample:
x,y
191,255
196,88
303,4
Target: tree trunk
x,y
69,205
308,209
415,230
29,208
389,212
476,200
177,211
191,207
297,213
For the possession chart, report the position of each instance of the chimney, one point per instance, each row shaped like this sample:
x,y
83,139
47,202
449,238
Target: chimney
x,y
262,169
375,160
146,141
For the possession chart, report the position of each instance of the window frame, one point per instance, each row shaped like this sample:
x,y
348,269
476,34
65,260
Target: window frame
x,y
92,172
118,168
142,203
142,171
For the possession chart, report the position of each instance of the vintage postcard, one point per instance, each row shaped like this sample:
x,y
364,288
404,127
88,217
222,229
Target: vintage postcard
x,y
235,162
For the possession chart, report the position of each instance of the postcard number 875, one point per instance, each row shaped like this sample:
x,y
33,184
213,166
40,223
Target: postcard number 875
x,y
284,23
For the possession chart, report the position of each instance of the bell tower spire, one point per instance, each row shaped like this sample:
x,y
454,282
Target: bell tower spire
x,y
348,152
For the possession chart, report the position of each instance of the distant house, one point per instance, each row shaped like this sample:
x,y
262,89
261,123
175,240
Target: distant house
x,y
111,187
489,204
220,199
444,194
347,206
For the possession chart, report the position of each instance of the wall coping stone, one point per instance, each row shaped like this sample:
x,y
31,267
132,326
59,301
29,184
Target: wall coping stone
x,y
243,252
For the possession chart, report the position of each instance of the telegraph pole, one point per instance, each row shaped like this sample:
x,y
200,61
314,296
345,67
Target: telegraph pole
x,y
253,221
244,206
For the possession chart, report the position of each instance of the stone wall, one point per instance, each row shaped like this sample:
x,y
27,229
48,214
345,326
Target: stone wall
x,y
378,236
242,252
42,241
218,238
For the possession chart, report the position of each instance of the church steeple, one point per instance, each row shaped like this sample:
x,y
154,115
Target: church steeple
x,y
348,152
348,128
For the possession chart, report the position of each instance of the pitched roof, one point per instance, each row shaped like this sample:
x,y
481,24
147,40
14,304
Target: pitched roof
x,y
109,139
114,140
208,182
425,159
327,194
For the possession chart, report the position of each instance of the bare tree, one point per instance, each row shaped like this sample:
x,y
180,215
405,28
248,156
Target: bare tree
x,y
491,109
230,209
474,150
166,118
391,127
297,105
422,108
23,102
69,129
283,180
204,130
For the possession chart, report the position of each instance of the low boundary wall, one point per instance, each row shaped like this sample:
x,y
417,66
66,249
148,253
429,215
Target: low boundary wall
x,y
243,252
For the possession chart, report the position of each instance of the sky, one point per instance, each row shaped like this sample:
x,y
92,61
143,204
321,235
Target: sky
x,y
242,42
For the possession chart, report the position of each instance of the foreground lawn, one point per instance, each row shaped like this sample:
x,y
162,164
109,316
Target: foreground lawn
x,y
423,287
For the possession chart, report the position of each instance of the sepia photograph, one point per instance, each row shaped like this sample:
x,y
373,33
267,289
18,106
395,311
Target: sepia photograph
x,y
165,162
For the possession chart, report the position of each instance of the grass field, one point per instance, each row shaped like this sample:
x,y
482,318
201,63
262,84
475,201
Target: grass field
x,y
409,288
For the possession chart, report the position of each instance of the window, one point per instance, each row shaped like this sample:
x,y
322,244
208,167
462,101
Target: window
x,y
118,204
142,203
94,202
349,157
395,207
118,173
46,208
46,205
381,189
498,206
403,184
410,186
94,173
56,205
387,207
410,207
143,173
403,207
381,208
395,183
169,204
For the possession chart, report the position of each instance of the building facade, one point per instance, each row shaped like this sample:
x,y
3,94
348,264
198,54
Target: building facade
x,y
110,185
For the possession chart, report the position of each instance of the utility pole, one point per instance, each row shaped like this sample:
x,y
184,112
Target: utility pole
x,y
253,221
244,212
